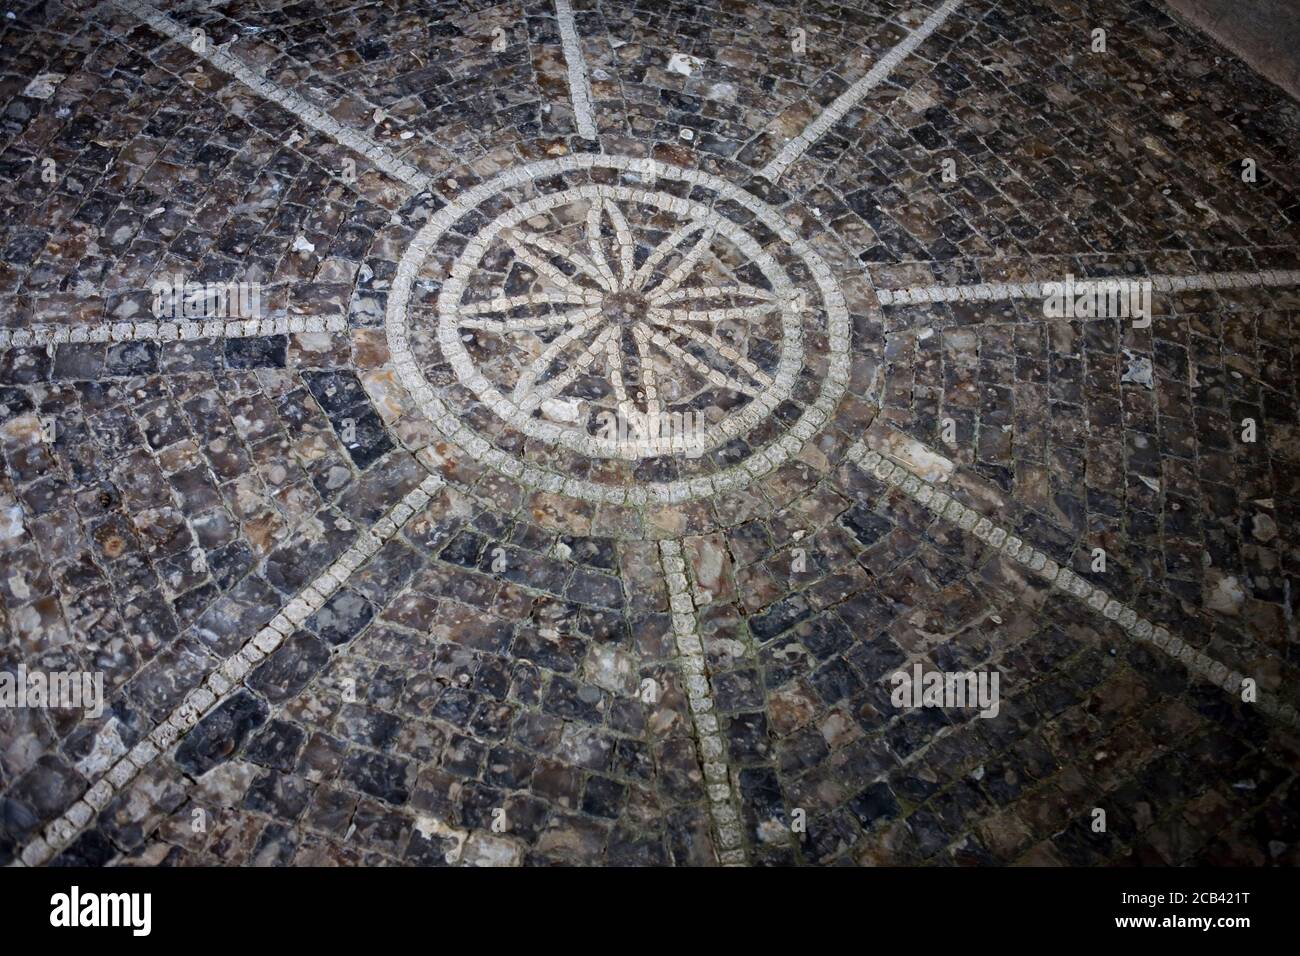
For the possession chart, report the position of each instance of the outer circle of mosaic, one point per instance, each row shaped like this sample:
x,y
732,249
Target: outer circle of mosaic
x,y
761,461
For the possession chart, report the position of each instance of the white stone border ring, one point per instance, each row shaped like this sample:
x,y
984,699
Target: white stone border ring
x,y
701,218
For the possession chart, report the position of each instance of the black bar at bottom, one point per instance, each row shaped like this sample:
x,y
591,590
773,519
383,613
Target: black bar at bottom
x,y
299,906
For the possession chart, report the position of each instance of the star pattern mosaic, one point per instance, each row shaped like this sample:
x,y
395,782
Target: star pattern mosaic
x,y
637,388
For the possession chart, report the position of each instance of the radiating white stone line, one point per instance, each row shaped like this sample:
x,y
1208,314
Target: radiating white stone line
x,y
532,398
723,803
623,239
506,303
182,331
1001,291
583,322
850,98
649,383
727,352
222,682
891,471
607,277
506,326
741,289
518,245
314,117
671,316
579,82
716,376
665,248
591,269
687,266
614,368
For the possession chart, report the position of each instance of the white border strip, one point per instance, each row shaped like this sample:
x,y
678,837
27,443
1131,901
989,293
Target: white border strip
x,y
317,119
226,679
167,331
1001,291
945,506
850,98
699,692
579,83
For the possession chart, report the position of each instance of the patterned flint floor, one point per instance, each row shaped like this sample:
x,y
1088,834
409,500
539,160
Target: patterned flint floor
x,y
369,577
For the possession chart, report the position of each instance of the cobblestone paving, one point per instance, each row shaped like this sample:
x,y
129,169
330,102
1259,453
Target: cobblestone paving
x,y
636,389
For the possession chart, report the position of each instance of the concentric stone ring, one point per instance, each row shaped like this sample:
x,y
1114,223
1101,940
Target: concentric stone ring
x,y
642,296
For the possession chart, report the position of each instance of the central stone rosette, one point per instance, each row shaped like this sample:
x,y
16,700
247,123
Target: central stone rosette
x,y
619,309
626,307
636,321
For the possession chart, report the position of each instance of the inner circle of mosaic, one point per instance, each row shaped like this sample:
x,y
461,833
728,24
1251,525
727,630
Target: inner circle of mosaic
x,y
619,329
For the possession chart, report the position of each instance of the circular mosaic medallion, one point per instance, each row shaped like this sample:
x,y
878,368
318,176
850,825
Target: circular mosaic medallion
x,y
661,324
